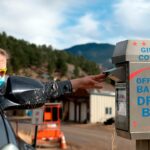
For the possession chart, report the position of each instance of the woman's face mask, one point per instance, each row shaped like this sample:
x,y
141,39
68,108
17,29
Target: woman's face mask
x,y
2,76
3,69
2,81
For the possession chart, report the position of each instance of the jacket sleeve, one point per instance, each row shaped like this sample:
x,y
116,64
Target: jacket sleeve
x,y
57,89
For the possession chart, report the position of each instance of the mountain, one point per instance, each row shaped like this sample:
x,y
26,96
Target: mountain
x,y
43,62
99,53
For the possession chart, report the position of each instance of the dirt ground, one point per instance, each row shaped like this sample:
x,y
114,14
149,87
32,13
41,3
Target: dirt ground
x,y
82,137
96,137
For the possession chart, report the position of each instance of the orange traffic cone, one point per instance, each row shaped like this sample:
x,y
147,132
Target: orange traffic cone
x,y
63,142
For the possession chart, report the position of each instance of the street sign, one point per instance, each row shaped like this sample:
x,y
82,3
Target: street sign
x,y
37,116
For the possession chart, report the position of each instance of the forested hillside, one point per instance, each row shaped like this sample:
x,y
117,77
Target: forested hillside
x,y
27,55
99,53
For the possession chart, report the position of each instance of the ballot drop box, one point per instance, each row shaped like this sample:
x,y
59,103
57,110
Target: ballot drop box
x,y
132,76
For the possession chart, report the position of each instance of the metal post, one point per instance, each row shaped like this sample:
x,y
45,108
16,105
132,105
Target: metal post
x,y
35,136
17,127
142,144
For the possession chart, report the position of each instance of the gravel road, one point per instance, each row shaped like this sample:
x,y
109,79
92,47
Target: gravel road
x,y
96,137
86,137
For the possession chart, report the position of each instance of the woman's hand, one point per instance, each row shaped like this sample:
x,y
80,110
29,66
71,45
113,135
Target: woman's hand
x,y
88,82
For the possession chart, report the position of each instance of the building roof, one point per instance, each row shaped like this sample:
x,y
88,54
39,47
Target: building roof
x,y
107,89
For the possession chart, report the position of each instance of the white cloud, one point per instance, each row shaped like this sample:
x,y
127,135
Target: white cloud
x,y
34,20
87,24
41,22
63,24
87,29
133,16
44,22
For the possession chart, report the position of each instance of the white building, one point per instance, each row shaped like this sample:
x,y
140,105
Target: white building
x,y
89,106
102,107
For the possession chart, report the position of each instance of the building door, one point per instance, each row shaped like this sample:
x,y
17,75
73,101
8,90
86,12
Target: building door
x,y
77,113
72,112
83,112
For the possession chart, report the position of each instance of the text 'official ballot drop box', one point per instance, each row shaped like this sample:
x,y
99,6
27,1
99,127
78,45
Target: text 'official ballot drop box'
x,y
132,75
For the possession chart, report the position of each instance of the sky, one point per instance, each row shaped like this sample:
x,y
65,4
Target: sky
x,y
65,23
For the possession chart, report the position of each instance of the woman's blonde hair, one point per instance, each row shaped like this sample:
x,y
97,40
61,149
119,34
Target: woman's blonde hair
x,y
4,53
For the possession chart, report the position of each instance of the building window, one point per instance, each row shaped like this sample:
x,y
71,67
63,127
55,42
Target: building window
x,y
108,110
